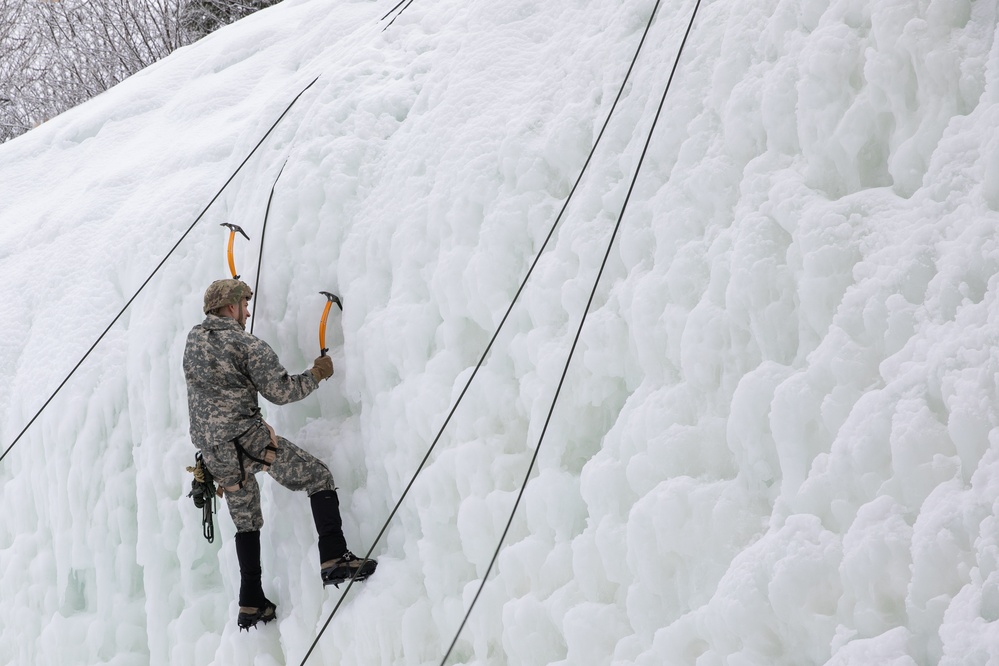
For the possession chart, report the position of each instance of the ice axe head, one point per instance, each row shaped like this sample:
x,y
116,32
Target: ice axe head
x,y
330,300
233,228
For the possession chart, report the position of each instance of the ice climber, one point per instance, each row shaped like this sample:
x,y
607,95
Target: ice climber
x,y
225,368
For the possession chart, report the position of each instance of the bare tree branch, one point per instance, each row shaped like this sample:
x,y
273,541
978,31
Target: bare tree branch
x,y
55,54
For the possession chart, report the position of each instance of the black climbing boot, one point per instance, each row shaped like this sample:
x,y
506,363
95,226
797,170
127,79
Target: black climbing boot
x,y
338,564
250,616
346,567
326,513
254,606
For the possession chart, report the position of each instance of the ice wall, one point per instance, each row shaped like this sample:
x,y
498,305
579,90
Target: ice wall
x,y
776,440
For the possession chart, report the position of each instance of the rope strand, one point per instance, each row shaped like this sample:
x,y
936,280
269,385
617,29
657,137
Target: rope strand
x,y
389,12
263,231
408,3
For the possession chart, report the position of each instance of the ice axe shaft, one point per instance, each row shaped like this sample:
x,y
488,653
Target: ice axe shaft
x,y
330,300
233,228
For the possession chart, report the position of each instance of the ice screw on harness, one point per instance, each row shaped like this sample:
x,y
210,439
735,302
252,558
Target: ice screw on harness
x,y
330,300
233,228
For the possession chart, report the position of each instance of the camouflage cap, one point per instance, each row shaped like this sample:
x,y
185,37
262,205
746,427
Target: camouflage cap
x,y
226,292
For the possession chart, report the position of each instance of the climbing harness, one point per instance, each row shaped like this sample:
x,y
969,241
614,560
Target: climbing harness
x,y
242,453
205,492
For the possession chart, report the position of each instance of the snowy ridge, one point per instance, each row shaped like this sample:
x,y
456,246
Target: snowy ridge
x,y
777,441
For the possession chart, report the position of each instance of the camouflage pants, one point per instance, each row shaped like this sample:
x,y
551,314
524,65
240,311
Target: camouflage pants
x,y
293,468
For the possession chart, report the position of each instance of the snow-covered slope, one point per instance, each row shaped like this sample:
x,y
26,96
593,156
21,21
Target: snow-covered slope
x,y
777,439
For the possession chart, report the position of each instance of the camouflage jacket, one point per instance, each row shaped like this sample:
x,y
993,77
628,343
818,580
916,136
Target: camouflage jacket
x,y
225,368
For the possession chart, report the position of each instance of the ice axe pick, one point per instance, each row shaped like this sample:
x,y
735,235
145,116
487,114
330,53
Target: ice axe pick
x,y
330,300
233,228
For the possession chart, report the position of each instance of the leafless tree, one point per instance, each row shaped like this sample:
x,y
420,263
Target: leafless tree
x,y
55,54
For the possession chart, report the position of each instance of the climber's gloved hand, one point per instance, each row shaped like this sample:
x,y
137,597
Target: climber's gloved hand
x,y
322,368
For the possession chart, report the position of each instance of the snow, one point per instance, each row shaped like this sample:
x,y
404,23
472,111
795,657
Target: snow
x,y
777,441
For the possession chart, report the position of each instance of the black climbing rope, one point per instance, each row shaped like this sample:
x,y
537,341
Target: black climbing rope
x,y
499,328
158,266
263,231
389,13
575,342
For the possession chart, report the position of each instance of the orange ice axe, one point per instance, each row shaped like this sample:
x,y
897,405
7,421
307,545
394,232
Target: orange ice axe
x,y
233,228
330,300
